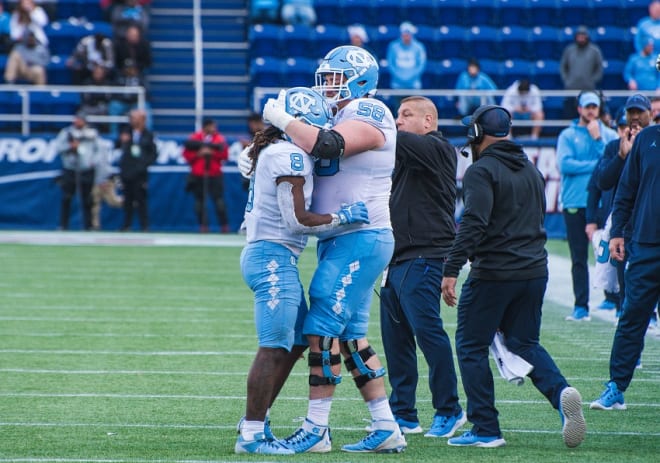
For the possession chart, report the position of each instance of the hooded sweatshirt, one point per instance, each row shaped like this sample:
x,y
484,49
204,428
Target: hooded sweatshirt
x,y
502,230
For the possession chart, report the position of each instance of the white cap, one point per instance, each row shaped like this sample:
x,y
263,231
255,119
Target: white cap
x,y
358,29
408,28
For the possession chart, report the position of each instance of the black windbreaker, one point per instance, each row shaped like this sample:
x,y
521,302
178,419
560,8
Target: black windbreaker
x,y
502,229
423,196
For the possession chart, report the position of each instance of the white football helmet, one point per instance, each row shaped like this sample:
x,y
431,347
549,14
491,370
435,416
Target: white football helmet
x,y
346,73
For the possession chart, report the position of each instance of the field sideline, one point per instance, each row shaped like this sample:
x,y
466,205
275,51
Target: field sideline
x,y
135,348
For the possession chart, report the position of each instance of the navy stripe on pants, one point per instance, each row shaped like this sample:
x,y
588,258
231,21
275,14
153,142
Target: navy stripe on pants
x,y
642,276
514,307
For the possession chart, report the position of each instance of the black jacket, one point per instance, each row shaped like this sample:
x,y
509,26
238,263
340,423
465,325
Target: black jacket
x,y
502,230
423,196
137,156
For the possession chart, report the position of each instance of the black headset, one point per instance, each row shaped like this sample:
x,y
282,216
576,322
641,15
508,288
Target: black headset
x,y
475,133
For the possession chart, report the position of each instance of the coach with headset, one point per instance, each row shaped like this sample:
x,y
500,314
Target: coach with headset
x,y
502,234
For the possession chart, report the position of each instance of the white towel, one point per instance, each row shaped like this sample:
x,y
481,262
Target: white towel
x,y
511,367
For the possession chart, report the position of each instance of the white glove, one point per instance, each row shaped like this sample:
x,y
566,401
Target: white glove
x,y
245,163
275,114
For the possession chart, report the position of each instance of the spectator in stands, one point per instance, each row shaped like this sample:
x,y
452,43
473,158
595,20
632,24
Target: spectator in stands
x,y
655,109
298,12
5,31
254,124
406,59
134,47
28,60
79,148
130,13
649,27
357,36
205,151
640,72
49,7
90,52
121,104
473,79
28,15
581,67
523,100
265,11
579,148
97,103
138,152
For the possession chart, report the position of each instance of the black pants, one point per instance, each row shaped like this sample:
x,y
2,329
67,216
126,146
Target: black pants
x,y
204,188
135,196
578,244
73,182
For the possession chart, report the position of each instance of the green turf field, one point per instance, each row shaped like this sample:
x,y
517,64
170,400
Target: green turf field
x,y
140,354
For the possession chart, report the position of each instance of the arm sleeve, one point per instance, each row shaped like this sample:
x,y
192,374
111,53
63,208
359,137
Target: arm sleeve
x,y
593,198
610,167
566,158
626,192
287,209
478,199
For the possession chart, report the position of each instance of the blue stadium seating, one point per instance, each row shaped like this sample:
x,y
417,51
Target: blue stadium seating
x,y
609,13
483,42
266,71
453,12
544,43
381,37
577,12
613,75
483,12
424,12
265,40
546,75
329,36
513,12
451,42
543,12
514,69
299,40
387,12
514,40
614,42
300,72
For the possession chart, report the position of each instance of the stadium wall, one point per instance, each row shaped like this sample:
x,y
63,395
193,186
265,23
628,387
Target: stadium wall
x,y
30,198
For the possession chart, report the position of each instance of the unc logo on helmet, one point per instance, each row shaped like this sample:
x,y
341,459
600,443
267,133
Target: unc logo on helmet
x,y
346,73
307,105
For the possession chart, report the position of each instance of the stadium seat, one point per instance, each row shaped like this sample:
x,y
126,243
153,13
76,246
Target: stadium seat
x,y
483,12
447,72
610,13
546,75
426,35
424,12
451,42
354,11
300,72
544,43
515,69
514,40
483,42
57,71
329,12
265,40
513,12
614,42
388,12
380,38
329,36
613,75
299,40
578,12
453,12
544,12
266,71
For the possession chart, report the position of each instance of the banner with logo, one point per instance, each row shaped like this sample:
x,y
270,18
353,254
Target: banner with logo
x,y
30,198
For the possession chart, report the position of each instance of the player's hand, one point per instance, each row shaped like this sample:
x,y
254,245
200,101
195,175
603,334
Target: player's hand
x,y
448,287
353,213
245,163
275,114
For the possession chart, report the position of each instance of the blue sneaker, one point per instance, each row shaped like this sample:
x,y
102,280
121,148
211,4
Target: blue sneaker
x,y
607,305
310,438
574,428
407,427
261,445
580,314
610,399
267,431
386,437
446,426
472,440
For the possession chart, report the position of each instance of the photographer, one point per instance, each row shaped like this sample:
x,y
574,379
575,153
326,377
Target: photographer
x,y
205,151
78,145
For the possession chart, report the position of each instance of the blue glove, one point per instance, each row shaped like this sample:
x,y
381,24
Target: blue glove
x,y
353,213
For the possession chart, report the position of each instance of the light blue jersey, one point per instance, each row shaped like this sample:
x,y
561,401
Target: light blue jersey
x,y
263,218
363,177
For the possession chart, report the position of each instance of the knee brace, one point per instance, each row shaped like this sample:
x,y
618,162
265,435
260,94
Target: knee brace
x,y
325,360
357,361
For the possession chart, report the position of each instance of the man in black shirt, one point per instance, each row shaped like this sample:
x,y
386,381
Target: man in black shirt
x,y
502,234
422,207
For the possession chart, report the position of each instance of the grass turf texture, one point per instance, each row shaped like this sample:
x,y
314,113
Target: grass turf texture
x,y
120,353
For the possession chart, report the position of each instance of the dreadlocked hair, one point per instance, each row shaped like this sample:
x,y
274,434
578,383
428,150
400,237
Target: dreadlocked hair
x,y
262,139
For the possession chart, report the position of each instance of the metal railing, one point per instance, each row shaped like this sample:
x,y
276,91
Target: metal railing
x,y
25,93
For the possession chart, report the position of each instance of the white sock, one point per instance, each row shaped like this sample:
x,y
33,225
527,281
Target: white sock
x,y
250,428
318,411
380,409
